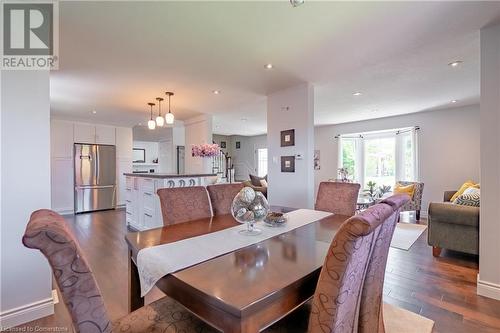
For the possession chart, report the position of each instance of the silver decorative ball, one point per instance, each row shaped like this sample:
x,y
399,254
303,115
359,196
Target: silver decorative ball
x,y
249,206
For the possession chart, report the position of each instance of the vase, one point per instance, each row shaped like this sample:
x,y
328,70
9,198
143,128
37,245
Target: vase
x,y
249,206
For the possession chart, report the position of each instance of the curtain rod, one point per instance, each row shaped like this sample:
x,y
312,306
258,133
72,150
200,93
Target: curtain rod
x,y
360,136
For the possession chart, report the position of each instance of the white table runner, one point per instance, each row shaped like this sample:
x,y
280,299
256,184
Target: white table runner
x,y
155,262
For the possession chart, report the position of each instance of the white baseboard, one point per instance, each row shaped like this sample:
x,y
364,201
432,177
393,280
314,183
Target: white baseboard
x,y
26,313
488,289
63,211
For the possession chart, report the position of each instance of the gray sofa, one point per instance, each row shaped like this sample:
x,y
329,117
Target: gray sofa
x,y
453,227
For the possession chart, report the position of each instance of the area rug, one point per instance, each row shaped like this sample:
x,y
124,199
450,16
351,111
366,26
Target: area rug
x,y
406,234
397,320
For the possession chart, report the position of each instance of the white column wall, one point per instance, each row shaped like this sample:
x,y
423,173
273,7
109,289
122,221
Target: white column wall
x,y
291,189
25,187
489,245
198,130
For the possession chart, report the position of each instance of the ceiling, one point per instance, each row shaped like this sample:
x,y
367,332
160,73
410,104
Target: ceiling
x,y
117,56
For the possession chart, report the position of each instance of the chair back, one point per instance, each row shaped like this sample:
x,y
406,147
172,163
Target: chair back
x,y
370,313
182,204
415,202
47,231
222,195
337,197
335,306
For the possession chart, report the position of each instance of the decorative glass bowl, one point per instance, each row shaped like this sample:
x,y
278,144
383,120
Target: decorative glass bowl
x,y
249,206
274,219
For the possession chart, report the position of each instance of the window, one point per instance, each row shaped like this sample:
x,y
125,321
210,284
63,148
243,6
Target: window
x,y
262,162
348,156
380,157
380,161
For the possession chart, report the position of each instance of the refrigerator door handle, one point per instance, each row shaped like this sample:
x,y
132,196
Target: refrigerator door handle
x,y
85,157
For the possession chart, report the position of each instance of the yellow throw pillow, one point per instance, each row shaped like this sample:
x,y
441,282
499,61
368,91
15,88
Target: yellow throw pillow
x,y
408,189
462,189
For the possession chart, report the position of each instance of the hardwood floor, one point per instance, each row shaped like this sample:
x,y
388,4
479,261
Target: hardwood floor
x,y
442,289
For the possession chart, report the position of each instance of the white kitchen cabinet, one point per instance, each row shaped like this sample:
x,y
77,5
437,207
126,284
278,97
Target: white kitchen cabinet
x,y
122,166
62,185
143,210
84,133
61,139
105,135
63,136
132,203
124,142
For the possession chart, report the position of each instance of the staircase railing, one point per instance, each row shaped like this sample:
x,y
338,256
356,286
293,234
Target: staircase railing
x,y
221,165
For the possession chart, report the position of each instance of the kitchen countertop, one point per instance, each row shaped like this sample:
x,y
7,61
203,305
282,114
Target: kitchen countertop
x,y
169,175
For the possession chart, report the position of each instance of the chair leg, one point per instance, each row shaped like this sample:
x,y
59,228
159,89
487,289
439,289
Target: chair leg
x,y
436,251
417,213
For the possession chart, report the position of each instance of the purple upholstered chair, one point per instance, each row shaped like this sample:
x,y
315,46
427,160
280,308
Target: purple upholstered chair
x,y
222,195
336,197
371,319
182,204
47,231
348,296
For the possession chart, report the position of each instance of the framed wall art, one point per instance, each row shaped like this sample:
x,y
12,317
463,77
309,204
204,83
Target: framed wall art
x,y
288,138
287,163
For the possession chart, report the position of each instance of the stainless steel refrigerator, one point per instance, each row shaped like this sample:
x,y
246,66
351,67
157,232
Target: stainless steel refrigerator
x,y
95,177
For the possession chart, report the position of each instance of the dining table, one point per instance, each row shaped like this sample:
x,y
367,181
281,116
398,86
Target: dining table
x,y
246,290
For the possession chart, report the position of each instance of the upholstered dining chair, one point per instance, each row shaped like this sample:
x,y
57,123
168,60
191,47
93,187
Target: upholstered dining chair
x,y
222,195
371,319
48,232
182,204
339,298
337,197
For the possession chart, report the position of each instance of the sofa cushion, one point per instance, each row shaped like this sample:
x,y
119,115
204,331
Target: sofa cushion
x,y
447,212
462,189
471,197
256,179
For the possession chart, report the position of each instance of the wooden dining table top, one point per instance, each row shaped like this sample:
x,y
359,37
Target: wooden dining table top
x,y
241,281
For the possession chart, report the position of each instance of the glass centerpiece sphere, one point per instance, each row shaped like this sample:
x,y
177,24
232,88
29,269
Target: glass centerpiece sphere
x,y
249,206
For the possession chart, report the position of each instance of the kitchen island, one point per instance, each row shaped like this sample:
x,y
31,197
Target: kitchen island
x,y
142,204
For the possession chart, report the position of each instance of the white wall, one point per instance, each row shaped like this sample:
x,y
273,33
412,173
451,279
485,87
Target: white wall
x,y
25,187
291,189
198,130
489,245
245,158
448,147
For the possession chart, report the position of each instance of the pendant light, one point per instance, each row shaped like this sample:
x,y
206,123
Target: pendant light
x,y
159,120
151,122
169,117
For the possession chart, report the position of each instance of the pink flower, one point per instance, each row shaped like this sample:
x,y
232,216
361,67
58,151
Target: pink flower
x,y
205,150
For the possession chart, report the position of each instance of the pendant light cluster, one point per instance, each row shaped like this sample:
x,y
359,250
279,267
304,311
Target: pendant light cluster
x,y
160,120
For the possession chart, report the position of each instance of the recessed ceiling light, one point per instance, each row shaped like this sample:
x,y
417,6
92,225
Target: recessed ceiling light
x,y
454,101
296,3
357,93
216,92
94,111
140,124
244,119
268,66
455,63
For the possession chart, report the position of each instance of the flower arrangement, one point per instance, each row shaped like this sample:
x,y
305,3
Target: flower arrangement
x,y
205,150
343,173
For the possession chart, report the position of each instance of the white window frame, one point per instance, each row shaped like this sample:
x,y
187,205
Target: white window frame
x,y
398,134
259,161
